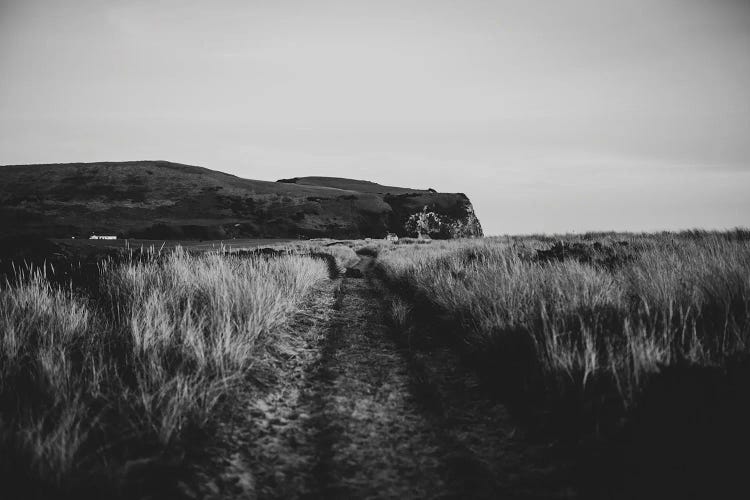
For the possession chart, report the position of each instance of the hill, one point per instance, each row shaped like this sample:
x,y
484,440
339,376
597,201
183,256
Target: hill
x,y
159,199
351,185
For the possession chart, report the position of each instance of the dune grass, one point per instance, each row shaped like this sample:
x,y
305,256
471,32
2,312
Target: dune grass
x,y
557,317
92,384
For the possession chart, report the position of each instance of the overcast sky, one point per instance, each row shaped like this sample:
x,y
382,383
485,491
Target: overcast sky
x,y
552,116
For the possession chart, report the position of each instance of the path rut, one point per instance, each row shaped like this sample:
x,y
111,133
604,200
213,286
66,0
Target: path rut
x,y
365,416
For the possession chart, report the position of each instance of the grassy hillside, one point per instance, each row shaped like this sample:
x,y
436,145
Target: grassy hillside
x,y
157,199
350,185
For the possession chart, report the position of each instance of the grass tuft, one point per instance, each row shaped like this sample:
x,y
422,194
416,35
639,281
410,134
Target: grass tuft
x,y
90,383
560,318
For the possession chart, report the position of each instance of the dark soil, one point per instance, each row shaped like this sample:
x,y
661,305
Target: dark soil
x,y
353,272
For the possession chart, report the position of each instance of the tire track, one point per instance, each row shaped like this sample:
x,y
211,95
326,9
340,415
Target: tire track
x,y
362,414
372,439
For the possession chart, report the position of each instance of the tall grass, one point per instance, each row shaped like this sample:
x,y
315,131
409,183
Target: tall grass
x,y
595,314
92,384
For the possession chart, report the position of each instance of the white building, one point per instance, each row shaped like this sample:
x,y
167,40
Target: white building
x,y
391,237
102,237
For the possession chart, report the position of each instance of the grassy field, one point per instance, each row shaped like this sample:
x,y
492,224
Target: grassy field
x,y
112,371
565,314
91,383
634,345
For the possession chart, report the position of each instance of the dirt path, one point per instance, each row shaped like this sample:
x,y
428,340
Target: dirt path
x,y
363,416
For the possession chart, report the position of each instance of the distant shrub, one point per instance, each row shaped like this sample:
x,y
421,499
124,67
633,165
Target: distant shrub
x,y
413,241
369,251
609,256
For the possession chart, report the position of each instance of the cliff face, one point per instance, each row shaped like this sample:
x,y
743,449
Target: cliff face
x,y
155,199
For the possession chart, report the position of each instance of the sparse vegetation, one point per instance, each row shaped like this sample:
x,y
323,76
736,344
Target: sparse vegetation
x,y
400,311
